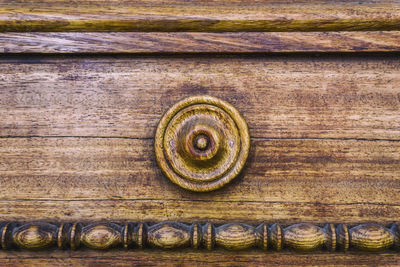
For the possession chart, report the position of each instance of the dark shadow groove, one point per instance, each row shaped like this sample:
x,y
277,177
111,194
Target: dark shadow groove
x,y
203,201
31,57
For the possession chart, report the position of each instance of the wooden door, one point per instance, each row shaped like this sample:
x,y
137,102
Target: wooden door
x,y
84,85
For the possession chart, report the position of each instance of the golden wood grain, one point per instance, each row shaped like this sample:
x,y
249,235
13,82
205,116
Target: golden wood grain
x,y
194,210
101,235
370,237
305,237
34,236
189,42
237,236
204,16
169,235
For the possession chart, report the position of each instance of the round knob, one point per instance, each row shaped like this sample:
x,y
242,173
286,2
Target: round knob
x,y
202,143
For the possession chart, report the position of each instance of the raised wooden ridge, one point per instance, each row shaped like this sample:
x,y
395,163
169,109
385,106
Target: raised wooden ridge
x,y
198,16
368,237
198,42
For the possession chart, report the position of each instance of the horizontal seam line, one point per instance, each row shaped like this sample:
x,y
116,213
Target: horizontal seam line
x,y
150,138
203,201
219,54
132,258
328,138
72,136
220,251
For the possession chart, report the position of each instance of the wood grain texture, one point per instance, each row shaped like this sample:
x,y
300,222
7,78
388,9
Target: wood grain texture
x,y
189,42
301,96
77,146
327,122
196,210
101,178
200,16
189,258
370,237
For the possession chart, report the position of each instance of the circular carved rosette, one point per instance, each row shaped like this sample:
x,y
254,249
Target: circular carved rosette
x,y
202,143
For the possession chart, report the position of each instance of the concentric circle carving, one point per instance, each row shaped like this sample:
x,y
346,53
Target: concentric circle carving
x,y
202,143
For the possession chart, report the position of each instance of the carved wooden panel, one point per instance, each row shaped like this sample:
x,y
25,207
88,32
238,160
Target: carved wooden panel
x,y
82,150
84,84
174,235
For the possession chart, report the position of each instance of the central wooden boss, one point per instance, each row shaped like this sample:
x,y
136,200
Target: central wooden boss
x,y
202,143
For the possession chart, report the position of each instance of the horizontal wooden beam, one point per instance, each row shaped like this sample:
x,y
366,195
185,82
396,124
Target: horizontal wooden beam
x,y
279,173
189,42
368,237
192,25
197,16
341,96
188,257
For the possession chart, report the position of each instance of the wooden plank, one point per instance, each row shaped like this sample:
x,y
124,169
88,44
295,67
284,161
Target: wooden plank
x,y
278,171
177,42
189,258
285,212
303,96
198,16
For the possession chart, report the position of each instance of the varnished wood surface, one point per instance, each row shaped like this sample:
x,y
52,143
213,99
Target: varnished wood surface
x,y
304,96
189,42
201,258
351,151
77,145
172,235
203,16
49,172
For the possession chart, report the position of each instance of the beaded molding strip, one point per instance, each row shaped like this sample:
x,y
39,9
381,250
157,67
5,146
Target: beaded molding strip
x,y
173,235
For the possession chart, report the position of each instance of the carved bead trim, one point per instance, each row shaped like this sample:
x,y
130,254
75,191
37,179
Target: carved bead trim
x,y
196,236
369,237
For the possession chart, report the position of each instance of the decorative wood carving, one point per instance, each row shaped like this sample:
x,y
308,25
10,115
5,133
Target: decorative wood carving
x,y
202,143
368,237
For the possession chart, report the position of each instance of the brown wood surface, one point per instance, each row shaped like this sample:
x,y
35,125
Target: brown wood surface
x,y
77,145
101,178
190,258
189,42
203,16
334,96
82,129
